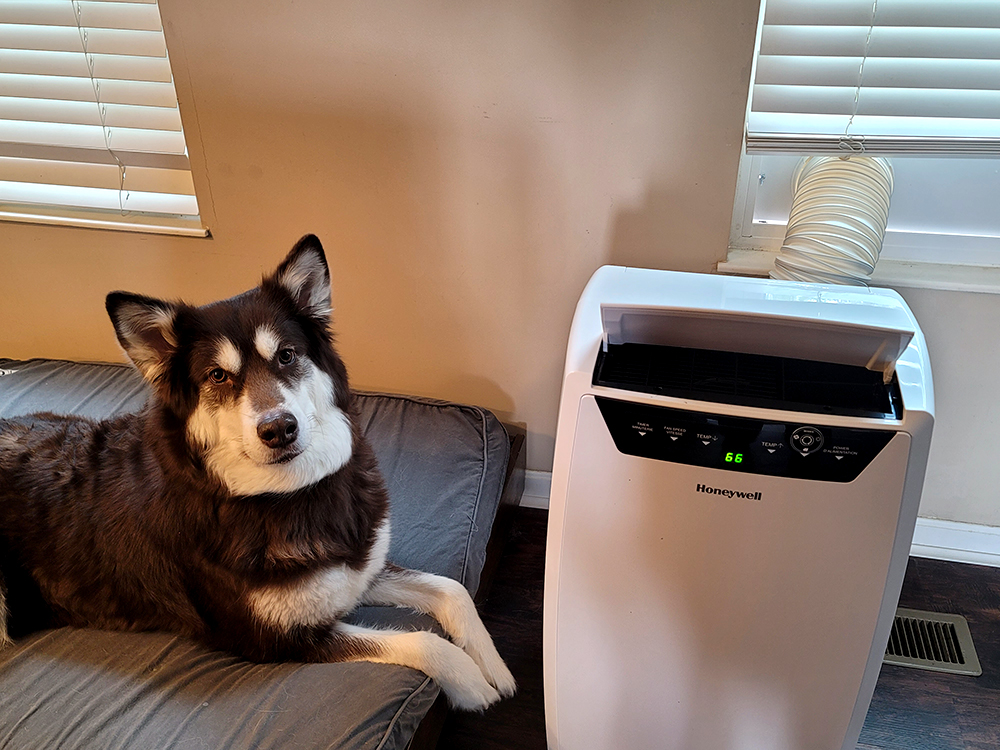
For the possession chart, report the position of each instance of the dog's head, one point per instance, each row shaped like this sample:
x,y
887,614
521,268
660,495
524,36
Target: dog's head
x,y
253,381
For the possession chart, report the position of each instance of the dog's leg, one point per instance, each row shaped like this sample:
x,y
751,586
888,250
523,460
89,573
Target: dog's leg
x,y
4,638
449,603
449,666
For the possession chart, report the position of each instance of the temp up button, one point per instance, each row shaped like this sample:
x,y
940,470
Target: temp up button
x,y
806,440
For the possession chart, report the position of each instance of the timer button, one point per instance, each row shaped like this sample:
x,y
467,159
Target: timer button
x,y
806,440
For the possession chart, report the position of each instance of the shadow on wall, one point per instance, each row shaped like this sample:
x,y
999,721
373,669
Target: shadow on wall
x,y
652,235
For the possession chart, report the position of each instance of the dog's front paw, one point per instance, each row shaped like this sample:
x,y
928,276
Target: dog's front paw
x,y
497,674
461,679
462,622
485,654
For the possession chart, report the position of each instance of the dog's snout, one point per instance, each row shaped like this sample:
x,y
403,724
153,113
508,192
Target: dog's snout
x,y
278,430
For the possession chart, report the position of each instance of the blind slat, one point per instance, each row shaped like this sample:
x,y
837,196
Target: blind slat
x,y
141,93
92,136
90,113
934,13
96,198
72,39
853,41
45,62
108,15
94,156
106,176
876,101
884,72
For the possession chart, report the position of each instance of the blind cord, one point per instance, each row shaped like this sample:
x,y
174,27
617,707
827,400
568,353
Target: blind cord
x,y
856,144
101,108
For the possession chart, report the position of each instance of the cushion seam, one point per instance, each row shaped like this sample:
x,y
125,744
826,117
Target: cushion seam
x,y
426,401
479,497
399,712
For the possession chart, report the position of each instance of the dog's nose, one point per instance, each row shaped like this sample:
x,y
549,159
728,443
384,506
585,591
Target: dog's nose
x,y
278,430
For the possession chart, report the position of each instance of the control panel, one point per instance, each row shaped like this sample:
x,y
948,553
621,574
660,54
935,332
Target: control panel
x,y
753,446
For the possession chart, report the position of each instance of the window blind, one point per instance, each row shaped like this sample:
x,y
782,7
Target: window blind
x,y
877,76
90,132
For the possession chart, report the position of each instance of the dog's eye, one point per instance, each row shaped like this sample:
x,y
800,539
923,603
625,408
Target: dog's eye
x,y
218,375
286,356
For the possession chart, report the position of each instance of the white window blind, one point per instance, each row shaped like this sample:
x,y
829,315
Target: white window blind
x,y
877,76
90,132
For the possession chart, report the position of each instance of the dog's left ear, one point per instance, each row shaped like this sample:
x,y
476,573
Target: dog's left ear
x,y
305,275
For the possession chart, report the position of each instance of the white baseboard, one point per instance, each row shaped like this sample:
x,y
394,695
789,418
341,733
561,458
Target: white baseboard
x,y
957,542
933,538
537,485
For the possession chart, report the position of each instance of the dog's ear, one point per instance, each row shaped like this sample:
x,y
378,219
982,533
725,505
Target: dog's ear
x,y
145,329
305,275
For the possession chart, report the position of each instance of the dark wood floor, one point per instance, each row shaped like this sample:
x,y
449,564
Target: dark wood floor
x,y
911,710
513,615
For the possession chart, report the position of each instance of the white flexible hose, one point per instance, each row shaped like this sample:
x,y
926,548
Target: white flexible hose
x,y
835,228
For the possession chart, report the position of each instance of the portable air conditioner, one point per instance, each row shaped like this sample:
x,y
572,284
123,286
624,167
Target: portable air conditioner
x,y
738,466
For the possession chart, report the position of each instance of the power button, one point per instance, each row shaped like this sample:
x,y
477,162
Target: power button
x,y
806,440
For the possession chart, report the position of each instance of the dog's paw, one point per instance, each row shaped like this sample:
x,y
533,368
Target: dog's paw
x,y
458,675
460,618
496,672
492,665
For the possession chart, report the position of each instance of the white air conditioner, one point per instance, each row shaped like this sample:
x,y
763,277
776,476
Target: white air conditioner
x,y
738,467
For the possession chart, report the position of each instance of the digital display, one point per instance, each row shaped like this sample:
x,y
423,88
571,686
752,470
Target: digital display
x,y
734,458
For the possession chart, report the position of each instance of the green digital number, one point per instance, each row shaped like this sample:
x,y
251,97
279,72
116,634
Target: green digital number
x,y
734,458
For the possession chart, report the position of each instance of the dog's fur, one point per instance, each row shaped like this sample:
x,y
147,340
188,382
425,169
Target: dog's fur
x,y
242,507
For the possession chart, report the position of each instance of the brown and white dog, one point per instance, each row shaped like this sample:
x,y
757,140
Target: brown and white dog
x,y
242,507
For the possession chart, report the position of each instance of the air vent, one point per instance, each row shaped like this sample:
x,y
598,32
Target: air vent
x,y
934,641
748,380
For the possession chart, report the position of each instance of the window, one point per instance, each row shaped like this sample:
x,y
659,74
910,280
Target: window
x,y
917,81
90,131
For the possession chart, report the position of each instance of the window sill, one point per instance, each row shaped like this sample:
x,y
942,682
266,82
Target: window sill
x,y
891,273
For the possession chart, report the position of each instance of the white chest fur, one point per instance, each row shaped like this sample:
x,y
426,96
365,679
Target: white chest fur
x,y
322,596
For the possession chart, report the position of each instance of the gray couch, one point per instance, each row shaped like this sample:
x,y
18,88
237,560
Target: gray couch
x,y
449,469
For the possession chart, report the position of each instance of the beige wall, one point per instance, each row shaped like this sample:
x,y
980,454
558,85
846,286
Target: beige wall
x,y
962,470
467,165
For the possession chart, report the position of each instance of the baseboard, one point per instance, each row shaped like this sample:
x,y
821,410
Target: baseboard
x,y
537,486
933,538
957,542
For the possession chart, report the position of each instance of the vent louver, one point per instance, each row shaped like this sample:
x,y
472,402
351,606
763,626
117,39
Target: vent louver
x,y
748,380
933,641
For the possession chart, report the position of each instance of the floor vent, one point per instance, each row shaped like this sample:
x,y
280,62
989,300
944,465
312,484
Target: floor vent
x,y
934,641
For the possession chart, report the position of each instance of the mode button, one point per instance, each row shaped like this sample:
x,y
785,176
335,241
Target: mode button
x,y
806,440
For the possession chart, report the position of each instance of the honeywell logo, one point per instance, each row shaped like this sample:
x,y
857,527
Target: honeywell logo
x,y
727,493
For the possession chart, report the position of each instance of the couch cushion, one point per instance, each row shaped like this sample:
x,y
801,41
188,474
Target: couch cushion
x,y
444,465
88,689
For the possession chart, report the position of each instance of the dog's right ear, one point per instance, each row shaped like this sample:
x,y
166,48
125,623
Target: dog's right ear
x,y
145,329
305,277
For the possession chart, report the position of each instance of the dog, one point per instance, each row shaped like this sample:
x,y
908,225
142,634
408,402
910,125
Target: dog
x,y
242,507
